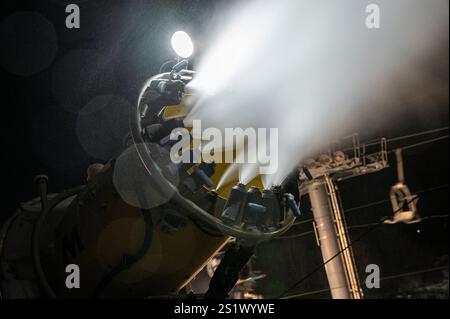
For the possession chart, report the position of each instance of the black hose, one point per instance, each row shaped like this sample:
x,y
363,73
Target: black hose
x,y
168,189
128,260
42,280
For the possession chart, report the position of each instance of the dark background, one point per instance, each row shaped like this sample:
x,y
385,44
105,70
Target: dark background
x,y
122,43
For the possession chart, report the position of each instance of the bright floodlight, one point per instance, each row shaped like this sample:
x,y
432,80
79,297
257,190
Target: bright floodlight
x,y
182,44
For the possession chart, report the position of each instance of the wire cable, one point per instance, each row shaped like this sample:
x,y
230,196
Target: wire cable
x,y
358,226
373,226
425,142
340,252
401,275
376,203
404,137
443,186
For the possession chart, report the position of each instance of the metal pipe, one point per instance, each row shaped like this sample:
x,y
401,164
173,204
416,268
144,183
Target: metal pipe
x,y
400,169
329,245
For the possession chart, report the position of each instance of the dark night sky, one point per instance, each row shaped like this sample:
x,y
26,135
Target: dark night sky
x,y
120,44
